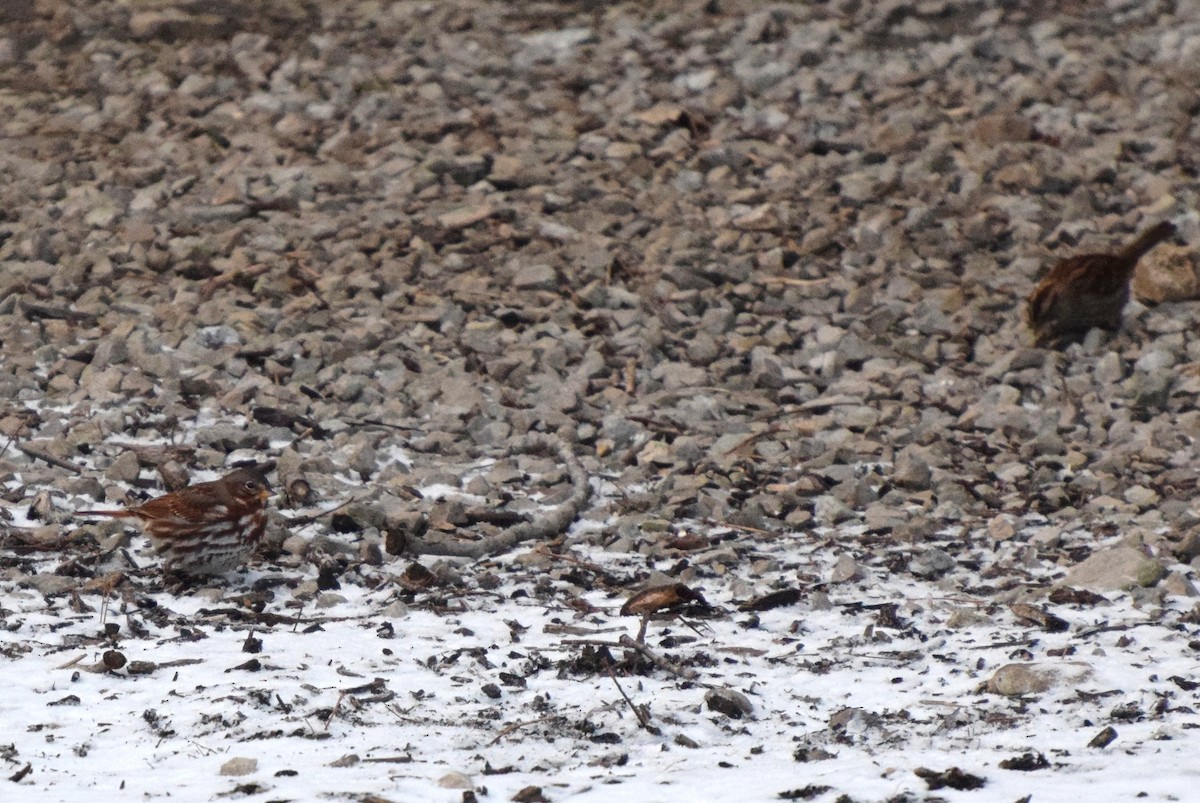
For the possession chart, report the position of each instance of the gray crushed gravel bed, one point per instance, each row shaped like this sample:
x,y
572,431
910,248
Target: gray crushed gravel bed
x,y
759,267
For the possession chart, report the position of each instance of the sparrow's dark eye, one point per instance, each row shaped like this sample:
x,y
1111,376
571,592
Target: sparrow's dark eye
x,y
251,485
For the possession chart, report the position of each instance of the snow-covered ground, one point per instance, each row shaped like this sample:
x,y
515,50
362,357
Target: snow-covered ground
x,y
371,691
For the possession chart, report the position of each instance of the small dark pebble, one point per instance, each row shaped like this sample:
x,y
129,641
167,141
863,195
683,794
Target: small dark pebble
x,y
341,523
113,660
327,578
731,703
530,794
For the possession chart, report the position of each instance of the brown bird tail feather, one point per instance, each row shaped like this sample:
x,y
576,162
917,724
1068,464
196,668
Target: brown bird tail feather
x,y
1147,240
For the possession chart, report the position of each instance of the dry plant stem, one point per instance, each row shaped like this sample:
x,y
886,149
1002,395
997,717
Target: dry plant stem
x,y
33,309
793,282
516,726
1091,631
37,454
1025,642
154,455
26,542
638,711
743,527
336,706
300,521
375,422
389,760
594,567
659,661
230,276
548,525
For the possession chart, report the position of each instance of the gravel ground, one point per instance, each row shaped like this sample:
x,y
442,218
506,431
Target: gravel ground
x,y
735,287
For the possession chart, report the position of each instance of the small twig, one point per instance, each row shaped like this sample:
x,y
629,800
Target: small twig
x,y
70,663
794,282
32,309
228,277
309,518
26,544
389,760
1025,642
374,422
881,657
638,711
743,527
659,661
576,630
542,549
516,726
38,454
337,704
180,662
1091,631
208,751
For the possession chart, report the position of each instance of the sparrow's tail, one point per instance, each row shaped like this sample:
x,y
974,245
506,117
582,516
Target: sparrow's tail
x,y
1147,240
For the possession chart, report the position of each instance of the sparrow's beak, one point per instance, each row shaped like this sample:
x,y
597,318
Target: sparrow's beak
x,y
264,495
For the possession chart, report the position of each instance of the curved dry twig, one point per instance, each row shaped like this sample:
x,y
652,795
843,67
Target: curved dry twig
x,y
544,526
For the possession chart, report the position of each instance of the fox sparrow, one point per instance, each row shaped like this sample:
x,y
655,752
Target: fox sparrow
x,y
207,528
1089,290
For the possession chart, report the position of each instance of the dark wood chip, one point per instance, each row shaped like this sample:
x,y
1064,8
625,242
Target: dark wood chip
x,y
776,599
952,778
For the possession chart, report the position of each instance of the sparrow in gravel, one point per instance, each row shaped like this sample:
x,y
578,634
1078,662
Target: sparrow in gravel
x,y
206,528
1088,290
